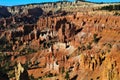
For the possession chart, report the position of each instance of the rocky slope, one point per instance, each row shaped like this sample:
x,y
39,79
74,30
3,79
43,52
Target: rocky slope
x,y
80,45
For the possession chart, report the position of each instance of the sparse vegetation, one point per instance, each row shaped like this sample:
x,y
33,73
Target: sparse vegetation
x,y
68,39
31,77
4,63
95,38
67,75
89,46
28,50
117,14
49,75
111,7
2,27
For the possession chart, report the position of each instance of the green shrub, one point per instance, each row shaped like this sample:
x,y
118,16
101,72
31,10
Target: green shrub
x,y
28,50
95,39
67,75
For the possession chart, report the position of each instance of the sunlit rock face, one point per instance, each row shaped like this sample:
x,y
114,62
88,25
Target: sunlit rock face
x,y
67,44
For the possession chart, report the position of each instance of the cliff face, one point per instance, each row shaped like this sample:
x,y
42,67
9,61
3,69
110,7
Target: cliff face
x,y
75,46
55,7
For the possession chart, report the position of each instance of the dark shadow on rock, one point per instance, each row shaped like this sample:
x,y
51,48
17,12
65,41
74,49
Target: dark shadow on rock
x,y
3,76
75,77
77,31
35,11
59,23
4,12
24,75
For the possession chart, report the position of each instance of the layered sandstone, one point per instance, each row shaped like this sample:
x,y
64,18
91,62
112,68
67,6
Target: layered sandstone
x,y
75,46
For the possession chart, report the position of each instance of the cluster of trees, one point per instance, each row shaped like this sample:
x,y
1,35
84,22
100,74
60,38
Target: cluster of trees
x,y
111,7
